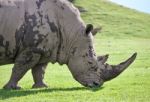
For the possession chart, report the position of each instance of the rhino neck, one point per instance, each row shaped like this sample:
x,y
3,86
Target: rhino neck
x,y
67,44
70,27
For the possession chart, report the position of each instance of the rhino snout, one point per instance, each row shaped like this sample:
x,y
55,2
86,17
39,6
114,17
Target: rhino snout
x,y
90,82
94,84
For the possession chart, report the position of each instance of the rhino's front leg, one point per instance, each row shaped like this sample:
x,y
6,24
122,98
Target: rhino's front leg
x,y
26,60
38,75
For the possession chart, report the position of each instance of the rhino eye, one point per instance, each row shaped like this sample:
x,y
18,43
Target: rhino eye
x,y
93,69
90,62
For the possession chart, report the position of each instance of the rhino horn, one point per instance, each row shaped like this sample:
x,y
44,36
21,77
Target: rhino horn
x,y
103,58
111,71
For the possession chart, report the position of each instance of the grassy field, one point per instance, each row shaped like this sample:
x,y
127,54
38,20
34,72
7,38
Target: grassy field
x,y
125,31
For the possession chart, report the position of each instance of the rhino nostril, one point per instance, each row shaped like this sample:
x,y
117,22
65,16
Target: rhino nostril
x,y
95,84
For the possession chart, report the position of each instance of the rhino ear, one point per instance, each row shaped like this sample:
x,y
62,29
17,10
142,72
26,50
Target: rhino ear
x,y
96,30
89,28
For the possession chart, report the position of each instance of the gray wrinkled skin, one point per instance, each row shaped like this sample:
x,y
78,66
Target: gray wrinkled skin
x,y
36,32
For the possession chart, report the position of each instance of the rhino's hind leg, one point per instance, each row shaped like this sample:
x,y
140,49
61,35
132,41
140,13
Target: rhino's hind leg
x,y
23,63
38,75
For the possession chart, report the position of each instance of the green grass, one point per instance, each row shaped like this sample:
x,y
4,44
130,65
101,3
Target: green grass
x,y
124,31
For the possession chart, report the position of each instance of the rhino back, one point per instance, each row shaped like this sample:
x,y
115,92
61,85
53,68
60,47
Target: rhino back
x,y
44,25
40,23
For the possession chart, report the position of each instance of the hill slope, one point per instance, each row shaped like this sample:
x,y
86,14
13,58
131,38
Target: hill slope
x,y
117,21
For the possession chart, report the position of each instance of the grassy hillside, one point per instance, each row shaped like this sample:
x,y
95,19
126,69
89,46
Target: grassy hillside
x,y
124,31
117,21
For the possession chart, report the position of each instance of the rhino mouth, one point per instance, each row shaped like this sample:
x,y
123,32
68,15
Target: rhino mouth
x,y
90,82
94,85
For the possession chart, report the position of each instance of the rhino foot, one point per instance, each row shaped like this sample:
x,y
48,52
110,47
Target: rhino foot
x,y
39,85
12,87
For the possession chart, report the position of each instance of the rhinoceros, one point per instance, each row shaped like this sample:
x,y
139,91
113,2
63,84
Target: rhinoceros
x,y
36,32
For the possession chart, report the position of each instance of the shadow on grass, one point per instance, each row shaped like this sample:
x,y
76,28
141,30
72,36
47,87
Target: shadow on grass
x,y
5,94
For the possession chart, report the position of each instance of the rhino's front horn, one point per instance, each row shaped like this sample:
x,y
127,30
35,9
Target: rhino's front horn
x,y
112,71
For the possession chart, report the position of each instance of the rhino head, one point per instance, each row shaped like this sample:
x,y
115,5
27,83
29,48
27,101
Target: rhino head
x,y
91,70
